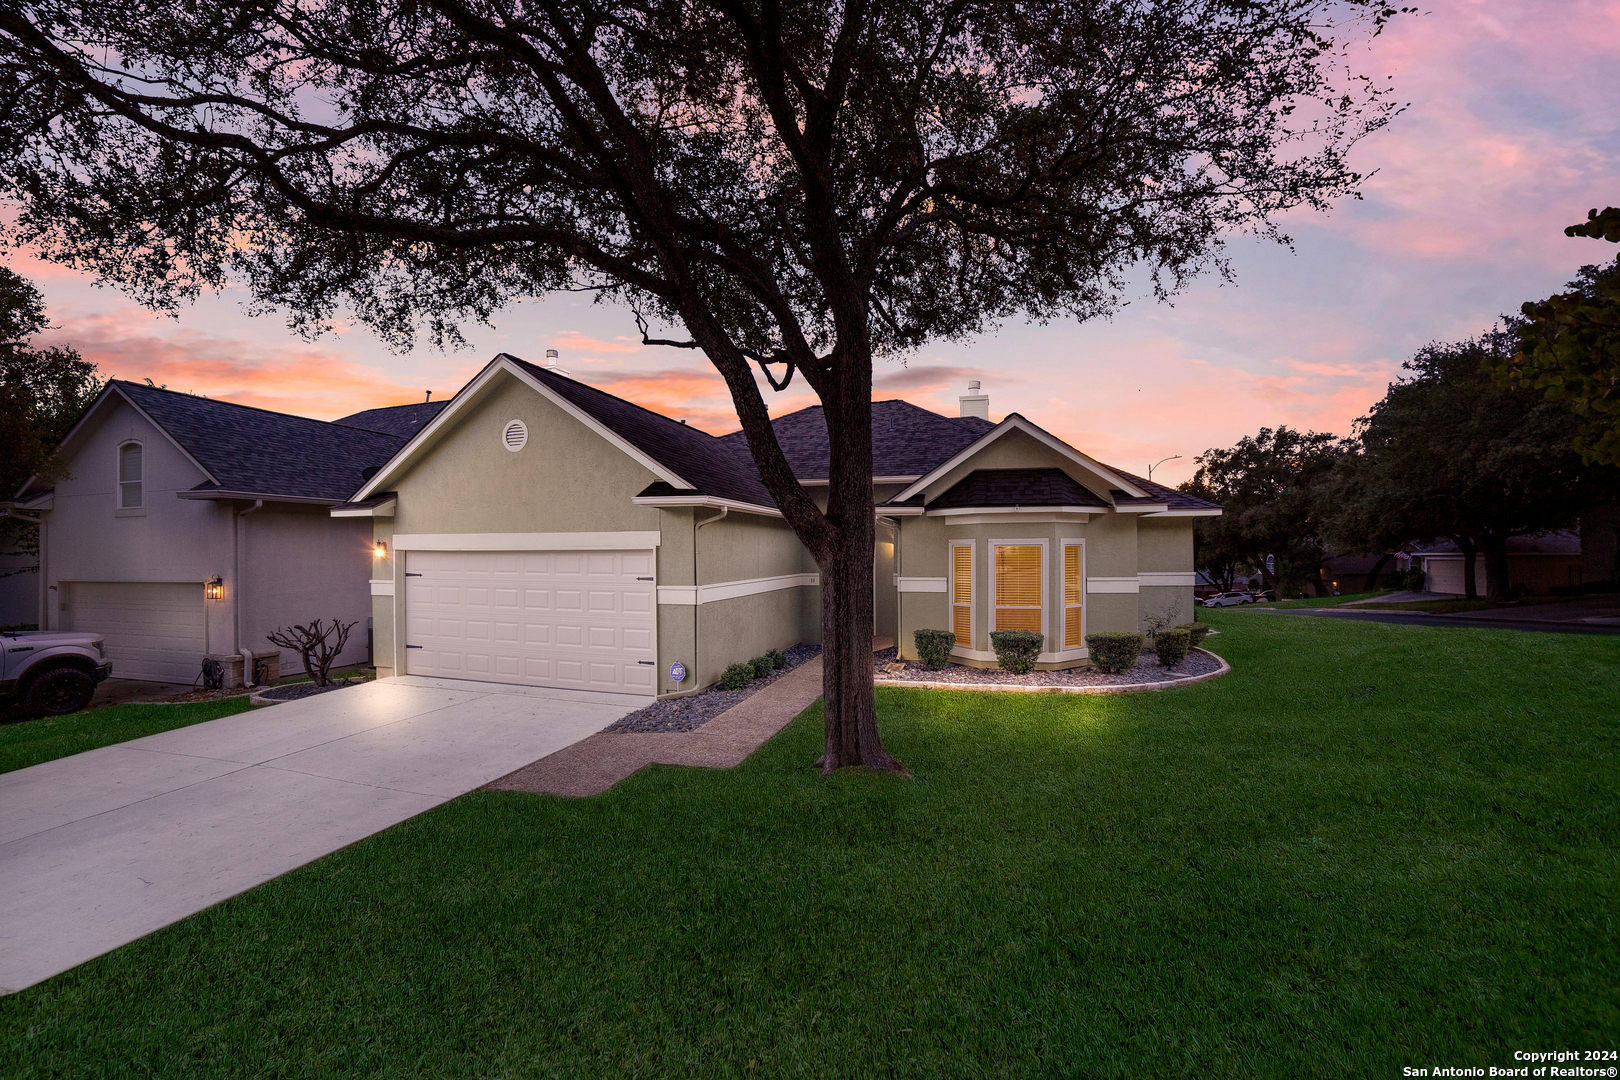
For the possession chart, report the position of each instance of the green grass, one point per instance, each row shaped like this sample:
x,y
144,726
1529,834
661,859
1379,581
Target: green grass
x,y
1369,847
1455,607
29,742
1323,601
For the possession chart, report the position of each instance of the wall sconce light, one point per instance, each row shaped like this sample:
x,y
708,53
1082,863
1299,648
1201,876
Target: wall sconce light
x,y
380,550
214,588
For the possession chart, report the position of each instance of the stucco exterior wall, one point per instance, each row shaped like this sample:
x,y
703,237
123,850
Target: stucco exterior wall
x,y
1165,545
297,563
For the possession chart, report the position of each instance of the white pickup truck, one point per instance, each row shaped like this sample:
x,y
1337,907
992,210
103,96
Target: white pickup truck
x,y
51,671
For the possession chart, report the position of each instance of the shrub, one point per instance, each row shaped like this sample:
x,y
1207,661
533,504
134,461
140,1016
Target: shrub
x,y
934,648
763,666
777,658
1016,650
1172,645
1115,652
1413,580
1198,632
737,676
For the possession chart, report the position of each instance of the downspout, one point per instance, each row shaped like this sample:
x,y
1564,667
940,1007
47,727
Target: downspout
x,y
236,583
697,608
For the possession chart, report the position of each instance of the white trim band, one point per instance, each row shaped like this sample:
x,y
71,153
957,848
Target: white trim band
x,y
382,588
575,541
920,584
1161,579
382,510
689,595
1113,585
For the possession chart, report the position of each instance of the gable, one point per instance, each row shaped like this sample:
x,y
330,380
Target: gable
x,y
1015,449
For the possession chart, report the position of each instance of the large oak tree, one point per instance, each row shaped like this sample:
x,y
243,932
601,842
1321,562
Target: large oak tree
x,y
802,185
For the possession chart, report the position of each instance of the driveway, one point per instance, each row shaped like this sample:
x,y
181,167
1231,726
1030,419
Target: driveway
x,y
104,847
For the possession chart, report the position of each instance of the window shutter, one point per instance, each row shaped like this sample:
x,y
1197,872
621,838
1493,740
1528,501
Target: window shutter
x,y
962,594
1071,597
1018,588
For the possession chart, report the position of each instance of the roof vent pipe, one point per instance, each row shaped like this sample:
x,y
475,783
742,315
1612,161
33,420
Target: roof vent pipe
x,y
973,403
551,362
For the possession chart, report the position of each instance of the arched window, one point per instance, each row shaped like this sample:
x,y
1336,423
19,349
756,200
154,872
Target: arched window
x,y
129,476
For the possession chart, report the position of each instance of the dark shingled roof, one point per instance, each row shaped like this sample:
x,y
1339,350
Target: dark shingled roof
x,y
402,420
906,440
261,452
1178,500
695,456
1016,487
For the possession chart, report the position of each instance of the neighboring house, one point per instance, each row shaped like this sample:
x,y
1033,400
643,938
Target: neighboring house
x,y
163,493
1361,573
540,531
1536,564
1600,547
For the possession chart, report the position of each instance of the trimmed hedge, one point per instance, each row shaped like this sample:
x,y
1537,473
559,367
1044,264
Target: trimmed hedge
x,y
1016,650
763,666
1199,632
1115,652
1172,646
934,648
737,676
777,658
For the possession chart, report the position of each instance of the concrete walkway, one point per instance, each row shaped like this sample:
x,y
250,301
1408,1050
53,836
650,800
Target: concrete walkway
x,y
104,847
596,764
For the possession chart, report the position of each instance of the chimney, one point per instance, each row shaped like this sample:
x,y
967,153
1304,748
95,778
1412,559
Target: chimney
x,y
975,403
551,363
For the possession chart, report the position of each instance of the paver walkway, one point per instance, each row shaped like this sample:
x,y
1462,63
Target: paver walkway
x,y
104,847
594,765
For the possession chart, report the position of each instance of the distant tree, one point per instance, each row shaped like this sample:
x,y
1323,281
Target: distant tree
x,y
1569,346
1446,453
1267,484
43,392
803,186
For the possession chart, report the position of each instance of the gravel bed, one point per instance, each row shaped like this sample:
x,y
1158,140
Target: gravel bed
x,y
691,713
886,665
294,691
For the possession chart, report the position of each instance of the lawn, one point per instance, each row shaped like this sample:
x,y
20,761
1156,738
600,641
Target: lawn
x,y
29,742
1368,847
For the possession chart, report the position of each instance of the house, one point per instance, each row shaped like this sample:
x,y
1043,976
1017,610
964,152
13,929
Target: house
x,y
537,530
1536,564
184,527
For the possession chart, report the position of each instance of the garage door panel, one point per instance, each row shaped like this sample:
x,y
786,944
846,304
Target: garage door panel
x,y
571,619
154,630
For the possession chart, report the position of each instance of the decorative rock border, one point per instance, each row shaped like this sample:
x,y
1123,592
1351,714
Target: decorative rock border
x,y
1124,688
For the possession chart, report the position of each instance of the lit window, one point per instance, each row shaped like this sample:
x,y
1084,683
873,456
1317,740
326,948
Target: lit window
x,y
1018,587
129,476
962,593
1073,618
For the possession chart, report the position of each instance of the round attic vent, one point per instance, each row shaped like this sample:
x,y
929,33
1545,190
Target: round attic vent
x,y
515,435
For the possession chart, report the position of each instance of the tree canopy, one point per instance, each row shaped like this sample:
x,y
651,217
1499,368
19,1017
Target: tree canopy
x,y
803,186
1267,484
1448,454
43,392
1569,346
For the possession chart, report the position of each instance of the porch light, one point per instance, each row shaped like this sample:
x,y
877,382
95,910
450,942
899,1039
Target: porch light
x,y
214,588
379,550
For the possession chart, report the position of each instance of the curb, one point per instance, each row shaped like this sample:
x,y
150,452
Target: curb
x,y
1130,688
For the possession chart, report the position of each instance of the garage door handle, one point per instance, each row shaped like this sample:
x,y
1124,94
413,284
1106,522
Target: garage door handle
x,y
413,646
649,663
643,579
413,575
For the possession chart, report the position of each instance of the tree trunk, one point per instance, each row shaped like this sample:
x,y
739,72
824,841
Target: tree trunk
x,y
1470,554
850,711
1372,576
1497,586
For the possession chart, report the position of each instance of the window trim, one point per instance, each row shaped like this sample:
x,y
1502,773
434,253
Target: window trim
x,y
1046,584
973,591
1080,651
118,476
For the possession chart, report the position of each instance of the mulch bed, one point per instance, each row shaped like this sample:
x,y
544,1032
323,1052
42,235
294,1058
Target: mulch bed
x,y
691,713
294,691
887,665
194,695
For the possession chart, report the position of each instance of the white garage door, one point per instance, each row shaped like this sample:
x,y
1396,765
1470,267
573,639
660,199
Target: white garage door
x,y
576,619
154,630
1446,575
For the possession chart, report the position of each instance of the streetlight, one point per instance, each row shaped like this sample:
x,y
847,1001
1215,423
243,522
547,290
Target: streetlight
x,y
1161,461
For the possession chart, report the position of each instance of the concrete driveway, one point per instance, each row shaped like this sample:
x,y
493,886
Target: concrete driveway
x,y
104,847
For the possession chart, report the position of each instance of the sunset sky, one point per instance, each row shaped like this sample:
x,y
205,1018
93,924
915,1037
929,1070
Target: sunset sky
x,y
1513,132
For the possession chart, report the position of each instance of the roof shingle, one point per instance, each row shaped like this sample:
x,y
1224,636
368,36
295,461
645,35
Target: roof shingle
x,y
1016,487
401,420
